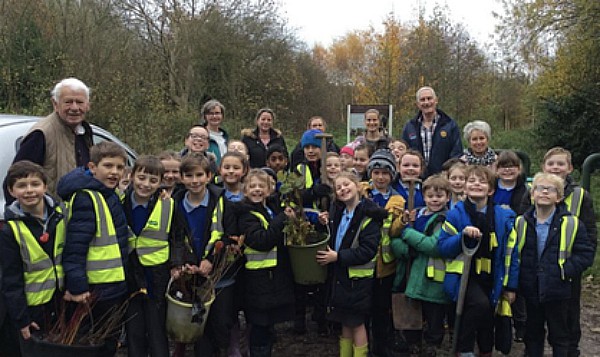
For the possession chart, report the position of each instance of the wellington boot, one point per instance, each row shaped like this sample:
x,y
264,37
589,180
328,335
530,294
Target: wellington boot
x,y
361,351
345,347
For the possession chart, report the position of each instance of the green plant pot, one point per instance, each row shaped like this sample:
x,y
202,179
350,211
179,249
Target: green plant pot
x,y
304,263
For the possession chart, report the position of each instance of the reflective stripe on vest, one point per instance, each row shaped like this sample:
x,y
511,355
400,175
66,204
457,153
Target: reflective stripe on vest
x,y
152,245
364,270
40,274
305,171
216,228
574,201
449,228
436,269
256,259
510,247
104,263
568,230
386,250
503,308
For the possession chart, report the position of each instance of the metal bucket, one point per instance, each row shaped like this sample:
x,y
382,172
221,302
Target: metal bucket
x,y
304,263
180,327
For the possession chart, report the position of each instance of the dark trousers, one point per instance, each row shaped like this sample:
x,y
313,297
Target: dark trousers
x,y
261,340
433,314
519,311
9,339
382,330
220,320
146,327
574,316
477,320
553,314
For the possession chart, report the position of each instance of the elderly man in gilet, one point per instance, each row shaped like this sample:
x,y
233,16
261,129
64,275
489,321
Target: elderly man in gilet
x,y
61,141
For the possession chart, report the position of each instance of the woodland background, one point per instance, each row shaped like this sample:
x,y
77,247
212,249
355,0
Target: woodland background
x,y
151,64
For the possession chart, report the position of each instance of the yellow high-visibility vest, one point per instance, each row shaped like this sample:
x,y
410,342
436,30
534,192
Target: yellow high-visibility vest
x,y
152,245
568,230
364,270
216,228
456,265
386,250
574,201
41,275
104,263
256,259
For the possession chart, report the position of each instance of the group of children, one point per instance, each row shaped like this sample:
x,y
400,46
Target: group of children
x,y
390,233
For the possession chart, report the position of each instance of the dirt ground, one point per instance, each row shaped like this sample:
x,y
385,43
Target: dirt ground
x,y
289,344
311,344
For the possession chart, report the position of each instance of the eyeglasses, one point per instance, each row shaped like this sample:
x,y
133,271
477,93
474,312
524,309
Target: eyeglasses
x,y
550,189
213,114
198,137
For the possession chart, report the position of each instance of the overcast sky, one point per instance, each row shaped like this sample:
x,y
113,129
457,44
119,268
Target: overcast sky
x,y
321,21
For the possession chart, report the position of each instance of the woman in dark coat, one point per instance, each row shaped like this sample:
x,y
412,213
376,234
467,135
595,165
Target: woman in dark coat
x,y
259,139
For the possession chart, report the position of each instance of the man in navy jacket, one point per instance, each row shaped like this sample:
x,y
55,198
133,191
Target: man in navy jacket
x,y
432,132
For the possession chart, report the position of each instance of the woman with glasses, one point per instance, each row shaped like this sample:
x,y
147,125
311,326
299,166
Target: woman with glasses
x,y
259,139
212,118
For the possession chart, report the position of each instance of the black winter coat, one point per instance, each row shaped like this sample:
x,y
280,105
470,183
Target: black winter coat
x,y
81,229
13,283
273,287
540,279
587,216
257,151
343,292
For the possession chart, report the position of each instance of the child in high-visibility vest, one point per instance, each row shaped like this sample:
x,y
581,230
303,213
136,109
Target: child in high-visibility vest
x,y
34,231
382,171
554,250
494,268
158,228
315,196
268,284
205,208
355,226
424,280
579,202
96,250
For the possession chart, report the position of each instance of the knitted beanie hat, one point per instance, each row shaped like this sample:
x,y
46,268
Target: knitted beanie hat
x,y
347,150
382,159
309,138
